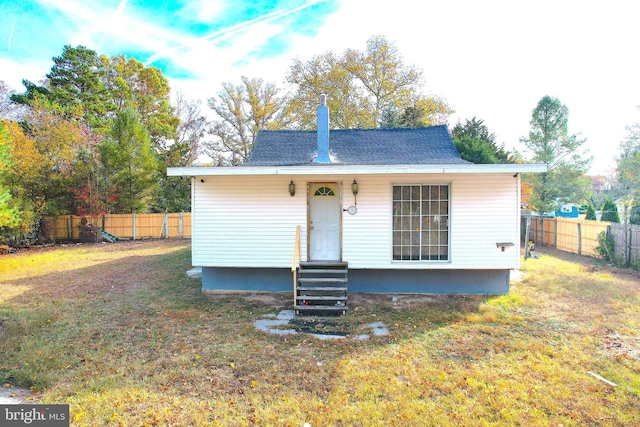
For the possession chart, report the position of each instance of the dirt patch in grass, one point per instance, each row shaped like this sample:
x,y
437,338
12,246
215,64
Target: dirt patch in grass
x,y
78,270
12,395
357,301
621,346
271,299
365,301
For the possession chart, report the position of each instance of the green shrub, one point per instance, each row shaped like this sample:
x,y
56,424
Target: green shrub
x,y
591,213
605,246
634,218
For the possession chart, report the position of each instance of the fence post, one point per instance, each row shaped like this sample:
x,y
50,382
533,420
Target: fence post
x,y
555,233
526,237
633,250
166,225
579,239
135,227
607,235
180,225
628,248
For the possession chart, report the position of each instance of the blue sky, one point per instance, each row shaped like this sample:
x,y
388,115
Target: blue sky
x,y
492,59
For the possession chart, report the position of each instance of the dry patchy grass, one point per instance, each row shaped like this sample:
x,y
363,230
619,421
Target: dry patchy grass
x,y
121,335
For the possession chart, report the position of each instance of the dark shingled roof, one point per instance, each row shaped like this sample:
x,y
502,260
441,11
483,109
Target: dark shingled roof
x,y
430,145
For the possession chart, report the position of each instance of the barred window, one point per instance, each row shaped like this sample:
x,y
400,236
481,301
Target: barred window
x,y
421,222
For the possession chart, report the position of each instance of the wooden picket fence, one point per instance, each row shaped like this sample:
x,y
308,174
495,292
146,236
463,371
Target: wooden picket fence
x,y
124,226
580,237
577,236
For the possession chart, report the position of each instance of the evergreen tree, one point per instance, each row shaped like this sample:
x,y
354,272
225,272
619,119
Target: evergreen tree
x,y
591,213
476,144
129,163
610,212
76,83
549,142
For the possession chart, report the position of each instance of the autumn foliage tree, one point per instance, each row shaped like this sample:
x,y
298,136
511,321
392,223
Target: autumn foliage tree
x,y
365,89
326,74
76,108
9,213
21,177
58,137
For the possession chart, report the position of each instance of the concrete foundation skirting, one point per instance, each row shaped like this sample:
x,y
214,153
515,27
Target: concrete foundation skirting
x,y
381,281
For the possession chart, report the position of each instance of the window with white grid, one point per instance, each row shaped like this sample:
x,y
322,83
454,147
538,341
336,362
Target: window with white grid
x,y
421,222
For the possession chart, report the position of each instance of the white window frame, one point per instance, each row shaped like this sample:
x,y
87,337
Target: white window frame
x,y
410,213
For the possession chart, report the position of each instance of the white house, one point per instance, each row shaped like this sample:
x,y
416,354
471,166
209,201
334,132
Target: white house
x,y
398,206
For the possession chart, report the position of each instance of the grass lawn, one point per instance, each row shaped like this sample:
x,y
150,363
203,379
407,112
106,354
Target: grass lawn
x,y
120,334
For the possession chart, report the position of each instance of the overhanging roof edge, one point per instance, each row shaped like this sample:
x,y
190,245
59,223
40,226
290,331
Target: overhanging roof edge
x,y
358,169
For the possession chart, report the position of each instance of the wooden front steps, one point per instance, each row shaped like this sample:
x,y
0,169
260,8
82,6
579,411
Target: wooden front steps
x,y
322,287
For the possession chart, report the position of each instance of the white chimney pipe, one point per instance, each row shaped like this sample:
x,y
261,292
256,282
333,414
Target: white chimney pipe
x,y
323,131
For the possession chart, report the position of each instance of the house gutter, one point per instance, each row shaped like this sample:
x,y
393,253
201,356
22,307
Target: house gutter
x,y
337,169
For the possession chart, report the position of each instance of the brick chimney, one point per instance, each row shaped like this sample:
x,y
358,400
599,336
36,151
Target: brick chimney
x,y
323,131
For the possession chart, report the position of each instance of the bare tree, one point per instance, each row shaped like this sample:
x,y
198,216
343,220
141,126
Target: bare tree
x,y
192,128
9,109
241,111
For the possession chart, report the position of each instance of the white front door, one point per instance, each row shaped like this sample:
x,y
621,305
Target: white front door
x,y
324,222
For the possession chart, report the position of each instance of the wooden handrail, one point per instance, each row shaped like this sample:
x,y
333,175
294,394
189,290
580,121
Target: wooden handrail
x,y
295,263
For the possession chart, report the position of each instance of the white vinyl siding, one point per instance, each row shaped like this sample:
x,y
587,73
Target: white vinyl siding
x,y
249,221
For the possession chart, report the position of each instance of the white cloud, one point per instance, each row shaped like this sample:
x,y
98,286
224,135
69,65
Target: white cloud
x,y
13,73
121,6
99,26
204,10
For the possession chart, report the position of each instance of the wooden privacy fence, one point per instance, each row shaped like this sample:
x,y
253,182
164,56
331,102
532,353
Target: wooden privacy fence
x,y
577,236
580,236
125,226
626,243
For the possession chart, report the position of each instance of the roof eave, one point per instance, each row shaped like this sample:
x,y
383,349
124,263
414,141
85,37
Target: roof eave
x,y
359,169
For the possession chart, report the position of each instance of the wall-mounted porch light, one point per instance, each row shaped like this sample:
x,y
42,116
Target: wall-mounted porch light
x,y
354,189
292,188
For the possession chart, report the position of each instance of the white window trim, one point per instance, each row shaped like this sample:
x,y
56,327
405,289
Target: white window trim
x,y
449,205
